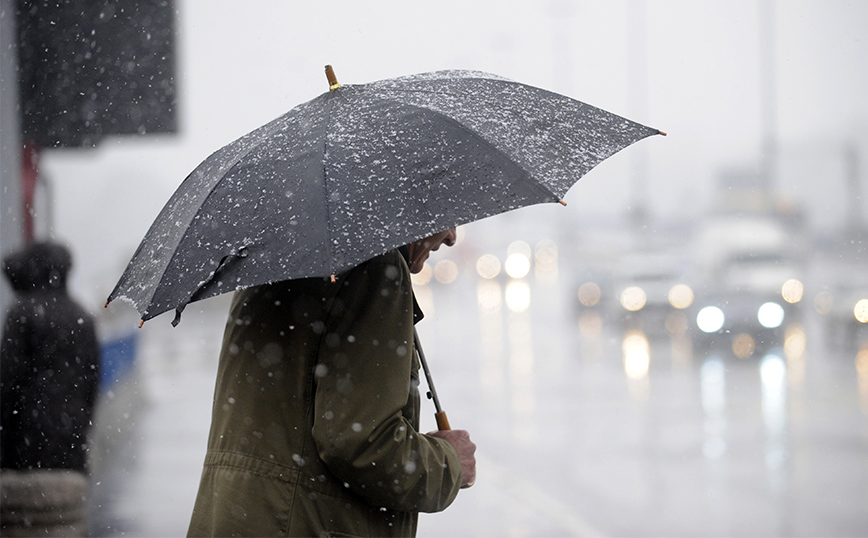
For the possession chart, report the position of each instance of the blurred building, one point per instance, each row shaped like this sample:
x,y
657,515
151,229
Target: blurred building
x,y
71,73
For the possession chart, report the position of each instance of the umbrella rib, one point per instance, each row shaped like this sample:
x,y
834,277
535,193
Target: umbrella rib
x,y
237,160
326,117
528,177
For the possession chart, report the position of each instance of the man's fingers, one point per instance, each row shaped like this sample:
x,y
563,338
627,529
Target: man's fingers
x,y
466,449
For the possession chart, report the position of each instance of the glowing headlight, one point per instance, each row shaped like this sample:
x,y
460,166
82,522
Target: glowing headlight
x,y
589,294
792,291
488,266
517,265
770,315
680,296
710,319
633,298
861,311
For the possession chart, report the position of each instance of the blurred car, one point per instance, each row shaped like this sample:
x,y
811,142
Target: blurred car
x,y
846,317
649,293
752,291
743,322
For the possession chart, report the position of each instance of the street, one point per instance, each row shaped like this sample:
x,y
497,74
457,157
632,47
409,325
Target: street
x,y
577,434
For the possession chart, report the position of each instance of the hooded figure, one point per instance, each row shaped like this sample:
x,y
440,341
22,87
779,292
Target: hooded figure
x,y
49,357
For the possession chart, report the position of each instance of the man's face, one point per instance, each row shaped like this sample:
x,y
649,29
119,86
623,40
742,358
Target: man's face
x,y
420,250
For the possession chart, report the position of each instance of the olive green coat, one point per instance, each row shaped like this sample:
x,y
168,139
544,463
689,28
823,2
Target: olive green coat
x,y
315,418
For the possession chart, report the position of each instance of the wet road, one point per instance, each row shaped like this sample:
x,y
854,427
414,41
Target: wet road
x,y
579,434
673,443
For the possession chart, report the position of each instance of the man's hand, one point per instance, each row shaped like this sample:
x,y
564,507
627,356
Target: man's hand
x,y
460,439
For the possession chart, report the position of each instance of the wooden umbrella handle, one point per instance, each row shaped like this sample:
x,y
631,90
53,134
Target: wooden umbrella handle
x,y
442,421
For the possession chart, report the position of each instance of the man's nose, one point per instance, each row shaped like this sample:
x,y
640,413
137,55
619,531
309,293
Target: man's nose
x,y
451,237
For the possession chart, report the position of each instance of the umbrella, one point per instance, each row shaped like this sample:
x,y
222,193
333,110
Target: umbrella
x,y
360,170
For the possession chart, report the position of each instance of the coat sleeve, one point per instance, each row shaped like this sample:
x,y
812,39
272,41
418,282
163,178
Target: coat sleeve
x,y
362,385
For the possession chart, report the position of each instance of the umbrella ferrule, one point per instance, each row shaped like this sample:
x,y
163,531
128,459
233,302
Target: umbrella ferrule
x,y
333,80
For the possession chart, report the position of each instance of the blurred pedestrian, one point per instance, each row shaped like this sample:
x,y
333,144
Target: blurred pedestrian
x,y
49,381
316,412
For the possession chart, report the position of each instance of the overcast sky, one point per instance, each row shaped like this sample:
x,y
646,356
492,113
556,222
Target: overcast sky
x,y
689,67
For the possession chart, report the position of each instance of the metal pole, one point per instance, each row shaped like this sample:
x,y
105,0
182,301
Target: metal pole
x,y
11,236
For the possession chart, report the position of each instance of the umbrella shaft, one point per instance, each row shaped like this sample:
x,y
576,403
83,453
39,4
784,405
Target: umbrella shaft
x,y
425,369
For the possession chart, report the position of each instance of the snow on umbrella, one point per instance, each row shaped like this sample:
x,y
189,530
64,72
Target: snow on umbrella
x,y
361,170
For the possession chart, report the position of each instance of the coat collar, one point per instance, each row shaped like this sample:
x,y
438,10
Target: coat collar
x,y
417,311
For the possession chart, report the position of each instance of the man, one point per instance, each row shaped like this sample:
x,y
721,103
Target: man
x,y
316,411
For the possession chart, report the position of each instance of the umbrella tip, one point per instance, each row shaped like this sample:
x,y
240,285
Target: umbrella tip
x,y
106,303
562,203
334,279
141,323
333,80
662,132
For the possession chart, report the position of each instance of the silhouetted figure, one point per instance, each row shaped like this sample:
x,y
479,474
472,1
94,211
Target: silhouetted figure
x,y
49,382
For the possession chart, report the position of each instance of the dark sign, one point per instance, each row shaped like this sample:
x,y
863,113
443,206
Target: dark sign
x,y
91,68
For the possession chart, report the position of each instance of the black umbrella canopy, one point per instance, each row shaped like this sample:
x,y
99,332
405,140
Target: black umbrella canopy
x,y
361,170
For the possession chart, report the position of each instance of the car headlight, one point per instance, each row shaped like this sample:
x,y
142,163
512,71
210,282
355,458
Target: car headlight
x,y
770,315
792,291
680,296
589,294
710,319
861,311
633,298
